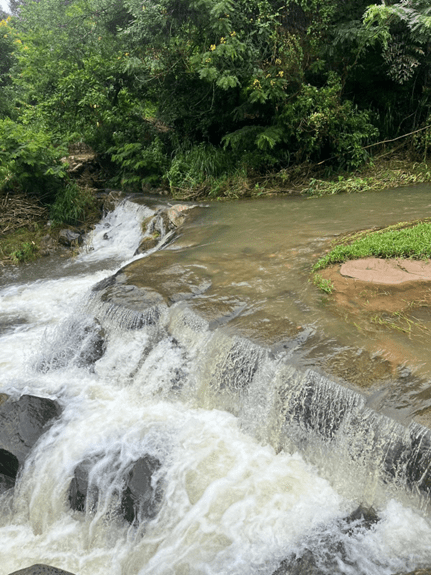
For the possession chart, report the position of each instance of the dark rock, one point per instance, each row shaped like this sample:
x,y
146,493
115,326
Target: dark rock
x,y
9,464
80,341
139,499
305,565
22,422
6,483
79,487
363,516
70,238
40,569
426,571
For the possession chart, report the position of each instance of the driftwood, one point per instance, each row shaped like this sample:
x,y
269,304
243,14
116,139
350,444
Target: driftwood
x,y
18,211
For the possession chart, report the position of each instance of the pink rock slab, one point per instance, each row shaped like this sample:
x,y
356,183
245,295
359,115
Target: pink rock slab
x,y
388,271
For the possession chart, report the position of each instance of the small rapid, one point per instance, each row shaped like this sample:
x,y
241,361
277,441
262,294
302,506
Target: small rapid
x,y
245,480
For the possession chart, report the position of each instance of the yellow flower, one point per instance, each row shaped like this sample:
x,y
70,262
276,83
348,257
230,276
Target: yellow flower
x,y
212,47
278,61
281,73
208,60
268,76
233,33
17,41
272,82
222,40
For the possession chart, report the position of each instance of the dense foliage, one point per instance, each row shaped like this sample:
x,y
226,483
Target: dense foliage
x,y
191,92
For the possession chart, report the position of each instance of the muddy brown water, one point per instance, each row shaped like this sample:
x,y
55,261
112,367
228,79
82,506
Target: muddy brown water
x,y
246,265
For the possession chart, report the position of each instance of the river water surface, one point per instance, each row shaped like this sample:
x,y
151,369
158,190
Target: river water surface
x,y
240,494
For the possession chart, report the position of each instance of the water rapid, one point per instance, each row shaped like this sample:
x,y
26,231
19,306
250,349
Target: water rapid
x,y
256,466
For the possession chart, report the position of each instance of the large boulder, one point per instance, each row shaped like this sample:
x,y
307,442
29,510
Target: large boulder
x,y
138,500
22,422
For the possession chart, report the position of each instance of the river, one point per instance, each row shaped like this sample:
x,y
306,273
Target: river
x,y
242,489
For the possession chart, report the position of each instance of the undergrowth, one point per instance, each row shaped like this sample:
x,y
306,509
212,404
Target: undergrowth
x,y
22,245
73,205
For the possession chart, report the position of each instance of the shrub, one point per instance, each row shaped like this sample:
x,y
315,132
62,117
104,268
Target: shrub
x,y
29,162
71,205
198,165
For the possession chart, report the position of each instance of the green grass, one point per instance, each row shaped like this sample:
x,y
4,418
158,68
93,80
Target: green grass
x,y
408,242
21,245
324,285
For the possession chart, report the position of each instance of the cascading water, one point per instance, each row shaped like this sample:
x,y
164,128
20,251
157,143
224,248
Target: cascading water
x,y
251,466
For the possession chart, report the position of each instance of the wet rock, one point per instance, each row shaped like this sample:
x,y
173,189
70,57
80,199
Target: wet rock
x,y
105,283
79,486
305,565
41,569
177,214
79,341
363,516
70,238
22,422
9,464
6,483
131,306
148,243
139,499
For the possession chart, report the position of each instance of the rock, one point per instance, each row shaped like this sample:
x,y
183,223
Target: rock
x,y
363,516
139,500
22,422
79,341
48,245
148,243
70,238
177,215
426,571
329,554
6,483
9,464
305,565
78,488
41,569
387,271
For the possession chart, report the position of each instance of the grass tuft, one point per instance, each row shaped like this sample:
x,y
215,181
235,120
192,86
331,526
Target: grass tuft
x,y
409,241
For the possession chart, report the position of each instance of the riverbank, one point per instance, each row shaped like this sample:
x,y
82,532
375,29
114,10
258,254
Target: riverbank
x,y
26,232
391,169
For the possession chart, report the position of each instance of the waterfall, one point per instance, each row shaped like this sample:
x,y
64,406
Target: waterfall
x,y
183,447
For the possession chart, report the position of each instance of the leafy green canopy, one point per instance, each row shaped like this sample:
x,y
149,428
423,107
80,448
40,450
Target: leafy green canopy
x,y
188,90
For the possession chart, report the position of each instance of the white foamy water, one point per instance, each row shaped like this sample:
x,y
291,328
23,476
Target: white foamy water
x,y
229,504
